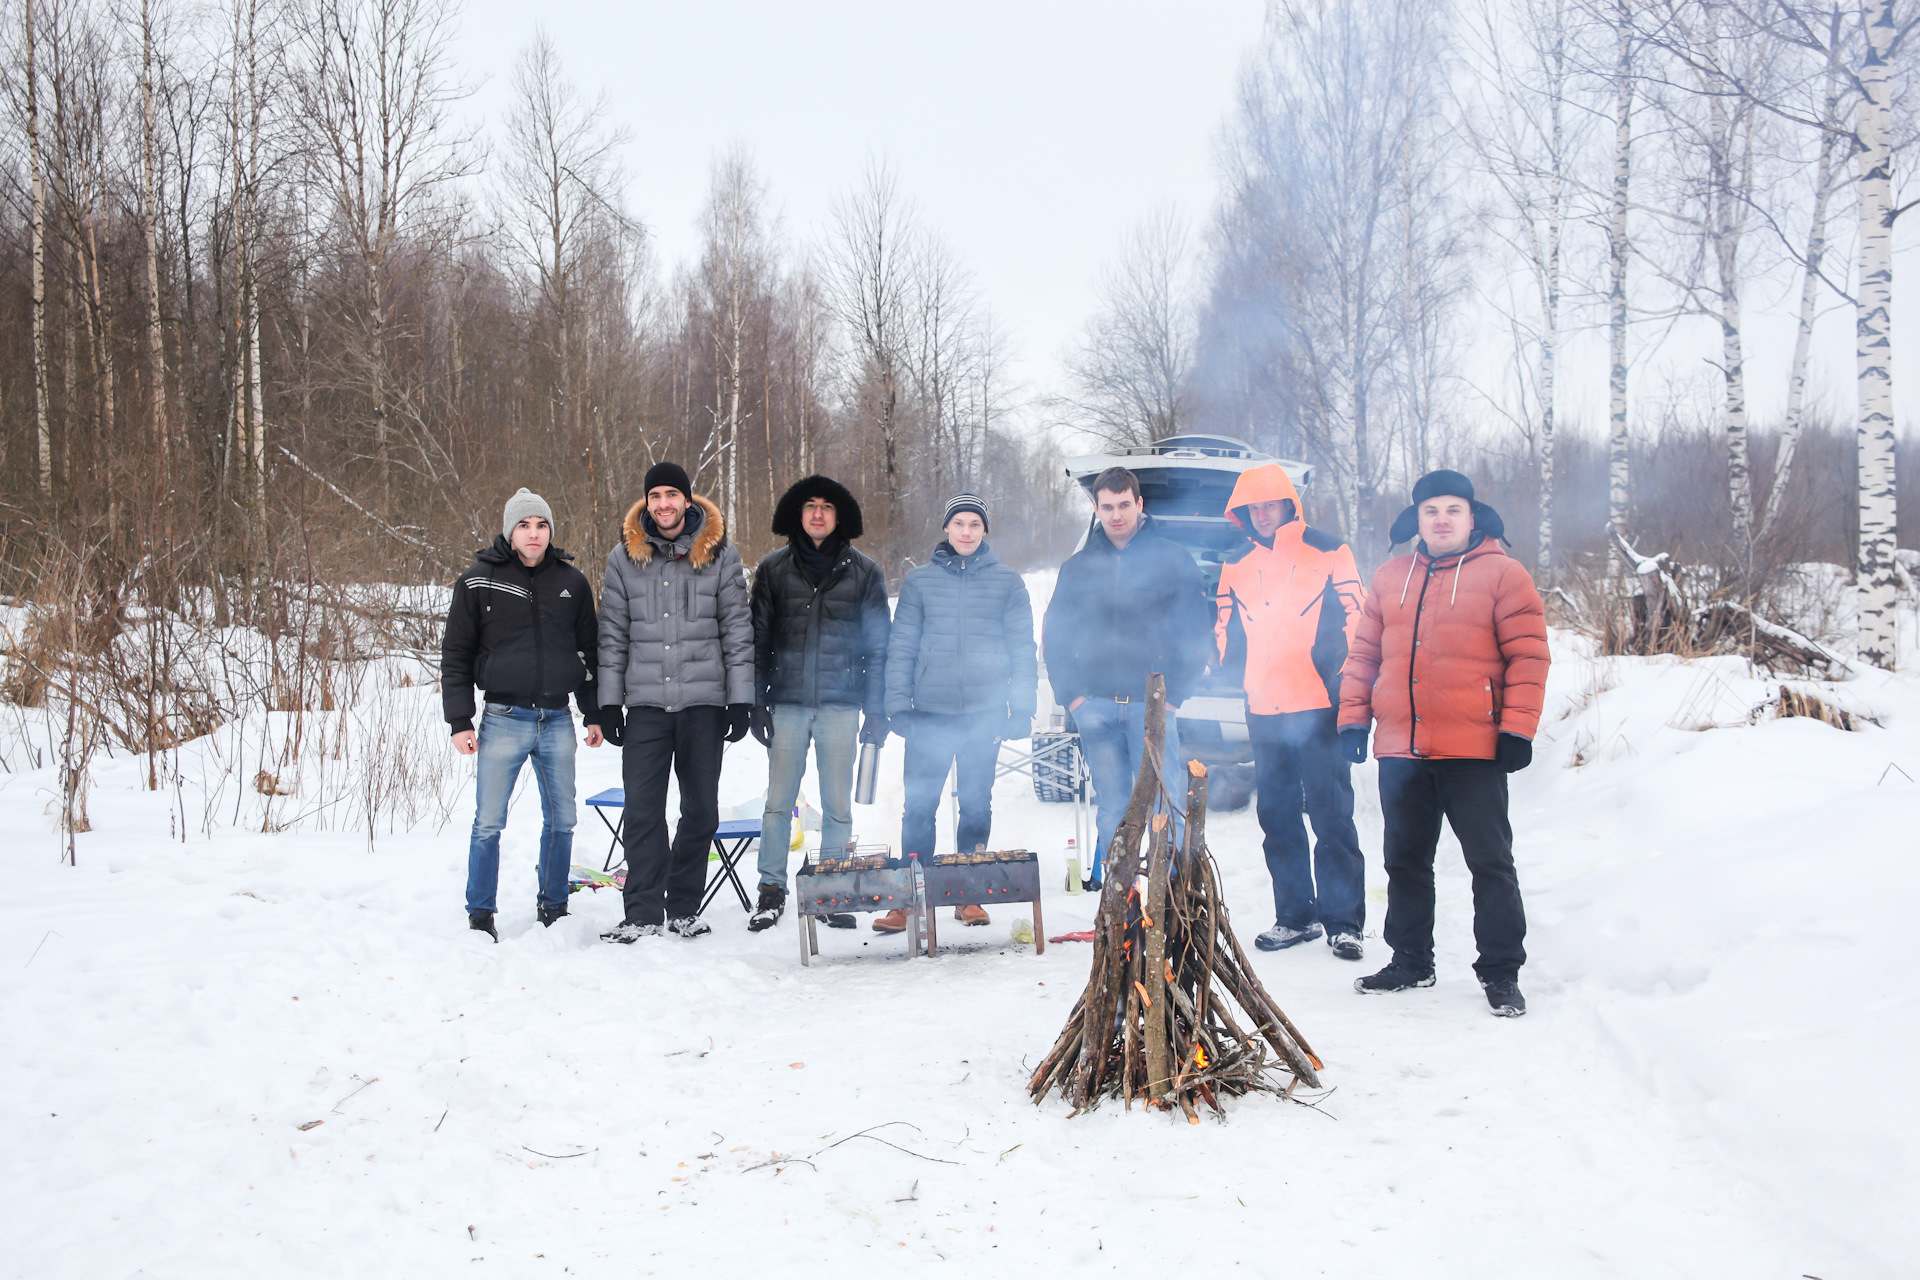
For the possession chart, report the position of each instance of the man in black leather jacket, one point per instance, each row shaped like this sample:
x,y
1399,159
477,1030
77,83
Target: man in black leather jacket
x,y
820,631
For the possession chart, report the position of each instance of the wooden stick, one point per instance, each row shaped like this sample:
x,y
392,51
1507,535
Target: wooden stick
x,y
1153,961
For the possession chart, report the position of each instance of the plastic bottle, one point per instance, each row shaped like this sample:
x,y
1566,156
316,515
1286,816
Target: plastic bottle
x,y
919,884
1073,867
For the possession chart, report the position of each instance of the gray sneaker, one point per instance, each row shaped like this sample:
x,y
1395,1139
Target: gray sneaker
x,y
1504,998
689,926
1280,937
628,934
1345,945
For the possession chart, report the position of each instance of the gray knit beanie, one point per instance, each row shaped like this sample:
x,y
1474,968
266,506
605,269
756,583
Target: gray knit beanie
x,y
521,505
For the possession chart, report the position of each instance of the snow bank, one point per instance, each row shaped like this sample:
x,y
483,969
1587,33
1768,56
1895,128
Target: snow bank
x,y
1703,1087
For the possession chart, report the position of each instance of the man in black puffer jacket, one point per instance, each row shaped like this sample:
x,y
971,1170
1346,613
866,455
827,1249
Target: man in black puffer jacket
x,y
819,659
961,680
522,627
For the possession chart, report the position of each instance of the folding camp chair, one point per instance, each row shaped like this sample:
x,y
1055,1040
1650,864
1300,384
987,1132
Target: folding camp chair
x,y
730,843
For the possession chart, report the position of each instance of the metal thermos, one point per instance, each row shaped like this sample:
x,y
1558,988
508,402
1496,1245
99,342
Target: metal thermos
x,y
868,775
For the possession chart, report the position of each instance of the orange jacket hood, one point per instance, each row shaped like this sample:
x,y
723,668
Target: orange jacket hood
x,y
1270,483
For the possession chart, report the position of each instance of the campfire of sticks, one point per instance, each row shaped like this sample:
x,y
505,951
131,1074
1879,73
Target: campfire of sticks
x,y
1172,1014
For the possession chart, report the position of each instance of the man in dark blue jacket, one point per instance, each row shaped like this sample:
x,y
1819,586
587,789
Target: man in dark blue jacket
x,y
522,628
819,661
961,680
1127,604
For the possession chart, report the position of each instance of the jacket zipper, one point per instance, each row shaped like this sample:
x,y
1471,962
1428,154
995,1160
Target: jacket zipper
x,y
1413,708
539,661
960,638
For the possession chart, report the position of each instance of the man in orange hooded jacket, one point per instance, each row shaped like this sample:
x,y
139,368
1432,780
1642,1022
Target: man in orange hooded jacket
x,y
1287,607
1449,662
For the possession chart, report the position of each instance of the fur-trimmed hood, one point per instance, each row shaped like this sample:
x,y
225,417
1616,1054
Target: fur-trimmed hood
x,y
846,509
709,534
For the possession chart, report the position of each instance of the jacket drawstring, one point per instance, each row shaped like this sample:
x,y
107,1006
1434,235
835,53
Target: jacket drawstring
x,y
1458,565
1411,562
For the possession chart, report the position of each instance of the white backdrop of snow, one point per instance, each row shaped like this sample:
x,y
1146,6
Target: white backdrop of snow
x,y
1706,1085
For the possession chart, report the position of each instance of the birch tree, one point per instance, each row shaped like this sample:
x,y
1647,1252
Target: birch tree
x,y
1619,251
1703,194
561,181
162,435
869,250
1131,369
1528,132
1862,53
1873,311
43,434
944,362
1827,176
733,283
376,96
1319,190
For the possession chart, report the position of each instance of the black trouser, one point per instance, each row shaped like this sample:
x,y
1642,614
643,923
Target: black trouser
x,y
1473,796
665,882
1298,769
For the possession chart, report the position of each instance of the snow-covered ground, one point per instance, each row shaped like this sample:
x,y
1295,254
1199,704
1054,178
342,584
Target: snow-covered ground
x,y
1705,1085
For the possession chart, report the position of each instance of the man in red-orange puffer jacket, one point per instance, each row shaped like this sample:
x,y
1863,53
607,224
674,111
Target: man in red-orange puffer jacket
x,y
1450,663
1288,603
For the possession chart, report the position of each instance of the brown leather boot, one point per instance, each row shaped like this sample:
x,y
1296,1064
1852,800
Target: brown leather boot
x,y
971,915
892,922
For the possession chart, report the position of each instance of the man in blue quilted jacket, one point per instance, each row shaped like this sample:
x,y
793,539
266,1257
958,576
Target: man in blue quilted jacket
x,y
961,679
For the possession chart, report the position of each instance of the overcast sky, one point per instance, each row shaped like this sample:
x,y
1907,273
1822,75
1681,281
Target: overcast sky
x,y
1030,134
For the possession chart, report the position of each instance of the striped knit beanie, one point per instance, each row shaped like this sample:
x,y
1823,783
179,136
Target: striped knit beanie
x,y
966,502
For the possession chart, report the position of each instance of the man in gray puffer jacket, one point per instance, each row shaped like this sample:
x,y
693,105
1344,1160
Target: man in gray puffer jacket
x,y
961,678
676,664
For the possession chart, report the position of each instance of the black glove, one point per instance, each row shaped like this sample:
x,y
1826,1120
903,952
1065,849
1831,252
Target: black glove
x,y
613,725
763,726
873,730
1353,745
1016,727
739,720
1514,752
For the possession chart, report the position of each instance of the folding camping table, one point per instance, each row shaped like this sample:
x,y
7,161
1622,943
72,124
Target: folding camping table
x,y
730,841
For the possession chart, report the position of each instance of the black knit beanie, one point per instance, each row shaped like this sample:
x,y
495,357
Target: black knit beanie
x,y
671,474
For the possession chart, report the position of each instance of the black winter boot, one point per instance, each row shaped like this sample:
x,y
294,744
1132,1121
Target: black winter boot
x,y
482,922
549,914
1395,977
772,905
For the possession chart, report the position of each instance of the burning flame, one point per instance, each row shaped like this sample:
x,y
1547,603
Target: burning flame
x,y
1200,1057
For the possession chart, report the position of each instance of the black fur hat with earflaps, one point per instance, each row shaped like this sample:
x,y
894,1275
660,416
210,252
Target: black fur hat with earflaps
x,y
846,510
1437,484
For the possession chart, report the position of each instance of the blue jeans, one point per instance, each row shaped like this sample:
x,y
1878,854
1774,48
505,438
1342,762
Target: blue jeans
x,y
834,732
935,743
1113,736
508,737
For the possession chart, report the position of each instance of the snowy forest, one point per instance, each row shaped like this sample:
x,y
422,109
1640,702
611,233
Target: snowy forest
x,y
285,320
274,301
